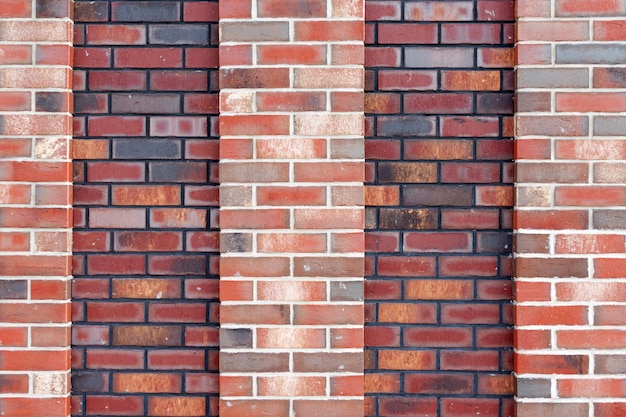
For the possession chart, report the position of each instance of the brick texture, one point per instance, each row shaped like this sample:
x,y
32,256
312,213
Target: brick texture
x,y
35,208
291,208
439,89
569,251
145,292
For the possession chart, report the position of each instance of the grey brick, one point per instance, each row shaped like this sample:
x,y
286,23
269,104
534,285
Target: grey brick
x,y
610,364
13,290
609,219
146,149
406,126
533,388
346,291
609,125
145,11
591,53
437,195
433,57
236,338
552,77
178,34
178,172
145,103
494,242
254,31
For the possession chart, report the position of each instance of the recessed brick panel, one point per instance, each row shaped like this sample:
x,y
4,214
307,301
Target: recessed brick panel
x,y
145,162
439,193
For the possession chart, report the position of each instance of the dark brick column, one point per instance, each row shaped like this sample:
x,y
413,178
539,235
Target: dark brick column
x,y
439,150
145,294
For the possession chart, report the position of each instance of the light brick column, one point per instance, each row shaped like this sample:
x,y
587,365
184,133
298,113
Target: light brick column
x,y
291,195
571,217
35,207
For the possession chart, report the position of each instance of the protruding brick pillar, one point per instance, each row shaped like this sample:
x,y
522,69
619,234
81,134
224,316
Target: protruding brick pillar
x,y
570,217
292,219
35,207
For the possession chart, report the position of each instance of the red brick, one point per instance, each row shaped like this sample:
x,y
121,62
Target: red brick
x,y
148,58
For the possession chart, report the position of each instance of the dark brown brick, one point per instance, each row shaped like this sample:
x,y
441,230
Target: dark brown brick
x,y
147,335
411,219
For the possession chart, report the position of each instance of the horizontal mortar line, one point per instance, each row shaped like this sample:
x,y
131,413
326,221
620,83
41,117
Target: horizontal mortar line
x,y
578,327
572,400
293,161
566,66
573,280
305,42
291,66
36,349
34,396
290,19
287,373
325,303
572,113
561,352
570,90
577,255
285,231
291,279
292,350
289,326
37,302
35,253
337,397
292,137
35,325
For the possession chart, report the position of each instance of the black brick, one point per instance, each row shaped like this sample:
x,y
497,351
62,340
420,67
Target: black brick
x,y
495,103
89,382
494,242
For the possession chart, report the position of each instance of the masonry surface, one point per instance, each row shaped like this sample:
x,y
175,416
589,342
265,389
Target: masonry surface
x,y
312,208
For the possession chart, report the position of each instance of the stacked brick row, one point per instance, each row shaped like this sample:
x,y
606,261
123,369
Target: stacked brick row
x,y
439,195
570,262
35,208
291,208
145,153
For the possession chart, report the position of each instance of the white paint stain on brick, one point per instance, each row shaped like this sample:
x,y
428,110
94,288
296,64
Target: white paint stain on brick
x,y
49,383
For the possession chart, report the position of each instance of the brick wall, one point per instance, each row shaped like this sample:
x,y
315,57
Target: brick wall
x,y
145,227
291,198
570,208
35,207
439,195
